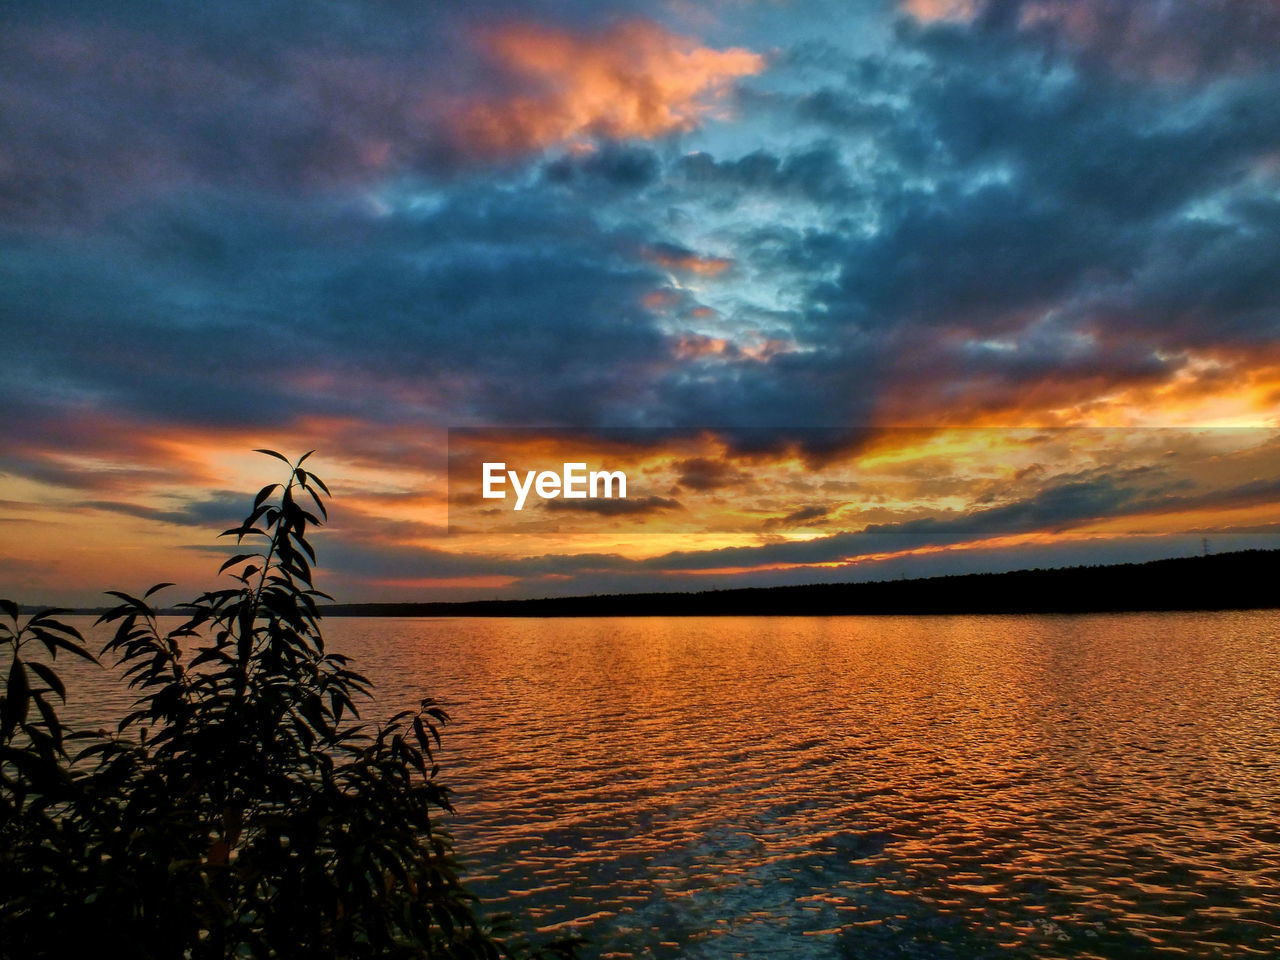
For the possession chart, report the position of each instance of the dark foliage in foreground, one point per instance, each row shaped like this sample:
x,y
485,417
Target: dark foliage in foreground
x,y
242,809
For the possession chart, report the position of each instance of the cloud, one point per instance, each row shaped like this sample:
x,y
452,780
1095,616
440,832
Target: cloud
x,y
954,227
189,320
1020,237
622,166
671,257
363,228
1056,507
101,116
705,473
816,173
1150,38
634,79
802,517
105,109
615,507
933,10
221,511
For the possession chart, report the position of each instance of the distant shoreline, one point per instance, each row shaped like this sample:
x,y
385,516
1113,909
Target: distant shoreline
x,y
1247,579
1241,580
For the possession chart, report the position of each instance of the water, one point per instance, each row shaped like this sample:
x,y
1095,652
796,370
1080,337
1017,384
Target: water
x,y
970,787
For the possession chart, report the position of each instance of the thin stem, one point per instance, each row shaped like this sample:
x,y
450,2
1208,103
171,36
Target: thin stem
x,y
250,616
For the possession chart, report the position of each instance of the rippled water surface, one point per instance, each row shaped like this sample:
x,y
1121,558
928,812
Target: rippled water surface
x,y
1086,786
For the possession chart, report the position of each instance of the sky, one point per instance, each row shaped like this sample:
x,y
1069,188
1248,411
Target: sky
x,y
852,290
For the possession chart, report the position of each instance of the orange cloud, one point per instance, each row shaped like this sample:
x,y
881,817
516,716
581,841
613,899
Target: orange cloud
x,y
931,10
635,79
692,346
1210,386
661,299
690,263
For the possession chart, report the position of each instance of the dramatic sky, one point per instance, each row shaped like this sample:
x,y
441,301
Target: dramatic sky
x,y
852,289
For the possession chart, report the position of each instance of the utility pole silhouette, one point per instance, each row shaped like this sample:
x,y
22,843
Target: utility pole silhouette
x,y
1204,542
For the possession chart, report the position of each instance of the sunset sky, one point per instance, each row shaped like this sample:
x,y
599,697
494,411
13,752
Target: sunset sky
x,y
852,290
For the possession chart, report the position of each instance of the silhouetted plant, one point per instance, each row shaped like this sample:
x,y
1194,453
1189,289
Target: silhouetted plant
x,y
241,808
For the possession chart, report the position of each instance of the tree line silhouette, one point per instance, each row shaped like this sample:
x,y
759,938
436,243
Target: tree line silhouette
x,y
1228,581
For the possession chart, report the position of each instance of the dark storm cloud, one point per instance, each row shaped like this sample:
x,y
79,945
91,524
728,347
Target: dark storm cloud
x,y
1013,195
1041,172
622,166
222,220
1171,41
615,507
705,473
221,511
216,311
99,115
1055,508
1210,283
1022,228
805,516
779,399
1059,506
1117,150
103,105
816,174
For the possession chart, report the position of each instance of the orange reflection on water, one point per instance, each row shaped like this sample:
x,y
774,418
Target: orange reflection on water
x,y
1016,786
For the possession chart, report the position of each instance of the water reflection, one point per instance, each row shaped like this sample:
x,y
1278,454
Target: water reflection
x,y
1101,786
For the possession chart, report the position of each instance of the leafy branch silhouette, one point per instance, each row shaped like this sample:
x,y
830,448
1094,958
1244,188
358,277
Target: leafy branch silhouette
x,y
242,808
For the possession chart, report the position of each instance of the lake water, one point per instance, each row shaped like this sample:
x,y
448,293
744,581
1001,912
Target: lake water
x,y
969,787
